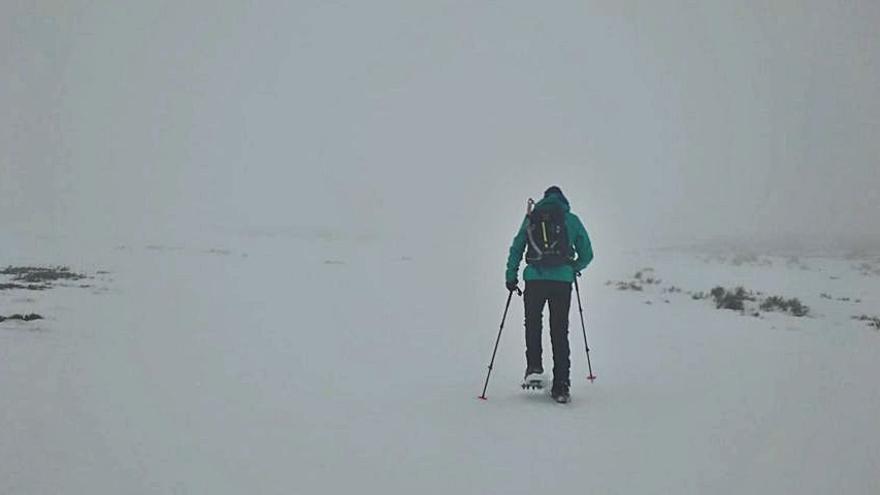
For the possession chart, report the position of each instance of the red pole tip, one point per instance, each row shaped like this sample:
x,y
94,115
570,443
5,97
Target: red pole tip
x,y
481,398
591,378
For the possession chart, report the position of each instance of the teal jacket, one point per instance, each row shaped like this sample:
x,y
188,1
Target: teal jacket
x,y
577,234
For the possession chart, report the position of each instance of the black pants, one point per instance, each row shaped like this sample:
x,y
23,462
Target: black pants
x,y
558,294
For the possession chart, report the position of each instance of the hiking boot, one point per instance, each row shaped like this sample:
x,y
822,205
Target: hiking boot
x,y
560,393
534,378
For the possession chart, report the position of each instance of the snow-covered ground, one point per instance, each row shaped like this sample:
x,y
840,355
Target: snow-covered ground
x,y
306,363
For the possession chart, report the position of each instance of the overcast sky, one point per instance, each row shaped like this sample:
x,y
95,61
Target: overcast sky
x,y
662,121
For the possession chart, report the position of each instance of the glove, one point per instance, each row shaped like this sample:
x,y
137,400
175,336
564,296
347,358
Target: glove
x,y
512,285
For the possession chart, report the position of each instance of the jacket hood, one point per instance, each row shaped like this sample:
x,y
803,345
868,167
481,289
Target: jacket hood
x,y
554,199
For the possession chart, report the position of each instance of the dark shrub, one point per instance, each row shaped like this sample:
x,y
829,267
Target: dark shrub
x,y
733,300
778,303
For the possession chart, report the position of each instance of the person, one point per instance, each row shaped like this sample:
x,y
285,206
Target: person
x,y
559,249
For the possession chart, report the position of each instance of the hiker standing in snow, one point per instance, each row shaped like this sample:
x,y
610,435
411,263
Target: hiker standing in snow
x,y
553,236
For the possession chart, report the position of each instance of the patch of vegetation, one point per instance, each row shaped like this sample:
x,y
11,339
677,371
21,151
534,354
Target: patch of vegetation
x,y
27,317
639,282
731,299
739,299
646,276
825,295
779,303
873,321
727,299
24,287
629,286
40,275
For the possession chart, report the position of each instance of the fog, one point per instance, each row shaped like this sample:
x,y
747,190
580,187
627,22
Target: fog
x,y
664,122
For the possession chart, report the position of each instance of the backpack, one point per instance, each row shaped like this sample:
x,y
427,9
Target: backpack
x,y
548,242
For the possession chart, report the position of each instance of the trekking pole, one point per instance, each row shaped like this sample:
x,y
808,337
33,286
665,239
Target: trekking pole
x,y
591,377
498,339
